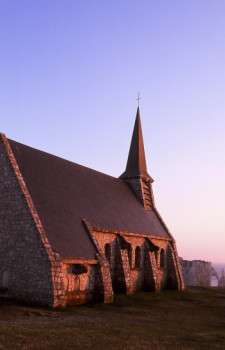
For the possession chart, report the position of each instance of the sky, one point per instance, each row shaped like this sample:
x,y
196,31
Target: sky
x,y
70,72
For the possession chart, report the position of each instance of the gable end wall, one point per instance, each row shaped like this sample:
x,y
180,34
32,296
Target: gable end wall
x,y
29,270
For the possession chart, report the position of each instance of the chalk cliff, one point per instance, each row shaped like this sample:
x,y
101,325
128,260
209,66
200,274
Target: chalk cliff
x,y
199,273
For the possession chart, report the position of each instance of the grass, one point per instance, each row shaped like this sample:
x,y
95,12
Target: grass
x,y
193,319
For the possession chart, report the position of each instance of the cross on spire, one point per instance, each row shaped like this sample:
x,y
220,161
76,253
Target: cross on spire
x,y
136,163
139,98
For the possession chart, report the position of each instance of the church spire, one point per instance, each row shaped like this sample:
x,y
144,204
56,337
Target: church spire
x,y
136,175
136,163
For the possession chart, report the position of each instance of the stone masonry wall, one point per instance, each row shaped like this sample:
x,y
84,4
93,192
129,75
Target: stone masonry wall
x,y
122,272
151,282
173,280
29,270
103,284
79,281
171,277
126,277
75,282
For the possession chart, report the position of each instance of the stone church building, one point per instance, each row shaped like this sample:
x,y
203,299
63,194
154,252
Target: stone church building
x,y
70,234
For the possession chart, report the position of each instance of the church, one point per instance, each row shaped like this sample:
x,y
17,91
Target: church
x,y
71,235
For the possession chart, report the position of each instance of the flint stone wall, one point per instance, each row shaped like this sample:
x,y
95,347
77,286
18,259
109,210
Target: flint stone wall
x,y
79,286
32,272
128,278
29,270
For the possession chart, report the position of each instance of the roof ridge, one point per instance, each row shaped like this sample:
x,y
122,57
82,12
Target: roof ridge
x,y
64,159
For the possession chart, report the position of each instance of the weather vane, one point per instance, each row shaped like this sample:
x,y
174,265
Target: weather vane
x,y
139,98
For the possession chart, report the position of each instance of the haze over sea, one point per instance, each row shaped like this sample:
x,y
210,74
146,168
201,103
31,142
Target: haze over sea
x,y
219,267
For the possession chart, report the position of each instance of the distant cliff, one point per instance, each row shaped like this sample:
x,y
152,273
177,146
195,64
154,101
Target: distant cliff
x,y
222,280
199,273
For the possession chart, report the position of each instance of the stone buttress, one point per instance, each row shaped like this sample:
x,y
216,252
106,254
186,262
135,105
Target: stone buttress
x,y
103,284
138,179
117,242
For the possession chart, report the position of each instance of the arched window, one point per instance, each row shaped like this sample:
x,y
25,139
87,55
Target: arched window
x,y
137,257
156,257
162,258
108,252
129,252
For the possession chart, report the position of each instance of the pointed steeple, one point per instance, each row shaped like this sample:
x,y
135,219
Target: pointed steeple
x,y
136,163
136,175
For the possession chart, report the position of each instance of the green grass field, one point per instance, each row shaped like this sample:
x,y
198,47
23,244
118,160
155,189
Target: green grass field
x,y
193,319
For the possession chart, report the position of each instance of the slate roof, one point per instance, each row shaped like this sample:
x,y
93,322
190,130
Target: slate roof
x,y
64,192
136,163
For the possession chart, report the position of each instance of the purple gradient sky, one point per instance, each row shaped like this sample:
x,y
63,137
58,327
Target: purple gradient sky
x,y
69,76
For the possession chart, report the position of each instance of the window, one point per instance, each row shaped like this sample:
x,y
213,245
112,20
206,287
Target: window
x,y
156,256
78,269
162,258
129,253
108,252
137,257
